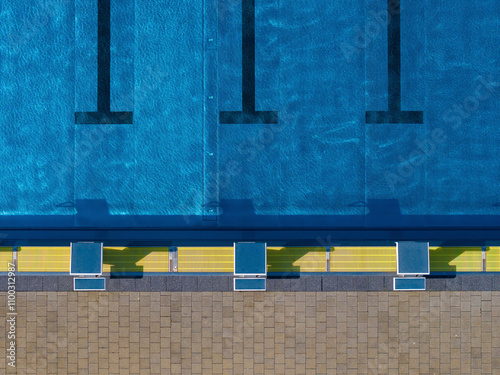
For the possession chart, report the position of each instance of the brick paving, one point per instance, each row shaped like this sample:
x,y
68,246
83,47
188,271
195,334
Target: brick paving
x,y
255,333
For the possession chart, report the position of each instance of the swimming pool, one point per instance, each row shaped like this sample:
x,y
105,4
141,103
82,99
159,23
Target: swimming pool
x,y
159,114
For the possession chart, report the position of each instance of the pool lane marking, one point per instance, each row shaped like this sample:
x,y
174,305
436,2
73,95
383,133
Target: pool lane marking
x,y
104,114
248,115
394,115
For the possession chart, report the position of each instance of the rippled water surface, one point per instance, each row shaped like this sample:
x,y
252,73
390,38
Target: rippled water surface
x,y
321,64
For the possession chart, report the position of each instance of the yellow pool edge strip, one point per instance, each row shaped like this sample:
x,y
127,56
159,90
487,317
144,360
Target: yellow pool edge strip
x,y
492,259
205,259
135,259
363,259
115,259
455,259
296,259
6,254
280,259
43,259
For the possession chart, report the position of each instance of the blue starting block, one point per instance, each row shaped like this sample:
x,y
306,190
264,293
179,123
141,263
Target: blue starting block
x,y
250,264
250,259
86,259
413,258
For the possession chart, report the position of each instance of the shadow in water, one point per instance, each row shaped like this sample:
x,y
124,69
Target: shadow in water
x,y
236,208
383,207
91,211
240,220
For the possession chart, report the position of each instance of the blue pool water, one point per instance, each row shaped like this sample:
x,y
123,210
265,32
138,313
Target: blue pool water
x,y
320,64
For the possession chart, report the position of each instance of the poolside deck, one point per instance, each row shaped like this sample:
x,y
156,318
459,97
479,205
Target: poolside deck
x,y
256,333
347,321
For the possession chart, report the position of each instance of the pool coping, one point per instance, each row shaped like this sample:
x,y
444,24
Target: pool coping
x,y
458,236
